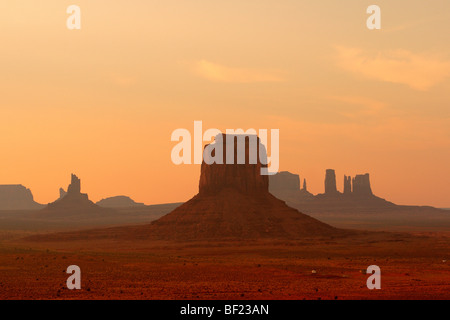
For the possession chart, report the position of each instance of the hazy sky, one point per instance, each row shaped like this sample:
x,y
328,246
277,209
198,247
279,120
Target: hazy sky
x,y
103,101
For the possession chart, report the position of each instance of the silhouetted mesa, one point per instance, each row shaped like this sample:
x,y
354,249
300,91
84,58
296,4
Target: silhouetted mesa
x,y
361,185
330,182
17,197
234,203
119,202
286,186
285,181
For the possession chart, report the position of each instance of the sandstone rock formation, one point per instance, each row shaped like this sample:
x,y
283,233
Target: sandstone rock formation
x,y
74,201
284,181
286,186
74,186
304,195
17,197
245,178
356,198
361,185
234,203
118,202
347,185
62,193
330,182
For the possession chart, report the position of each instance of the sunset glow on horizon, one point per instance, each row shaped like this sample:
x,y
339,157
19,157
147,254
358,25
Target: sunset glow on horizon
x,y
102,102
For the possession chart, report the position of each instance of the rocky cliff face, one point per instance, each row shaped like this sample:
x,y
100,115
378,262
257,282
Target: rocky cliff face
x,y
304,194
361,185
347,185
17,197
245,178
330,182
74,190
74,186
62,193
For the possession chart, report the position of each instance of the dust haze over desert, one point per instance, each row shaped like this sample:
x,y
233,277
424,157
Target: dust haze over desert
x,y
357,128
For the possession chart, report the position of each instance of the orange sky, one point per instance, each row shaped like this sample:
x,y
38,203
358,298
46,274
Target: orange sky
x,y
103,101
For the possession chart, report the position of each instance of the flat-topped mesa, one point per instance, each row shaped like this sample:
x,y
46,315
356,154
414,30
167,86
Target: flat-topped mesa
x,y
242,173
119,202
234,201
330,182
284,181
361,185
347,185
17,197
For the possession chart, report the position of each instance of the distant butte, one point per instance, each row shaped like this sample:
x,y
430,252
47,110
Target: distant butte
x,y
73,201
119,202
17,197
357,194
234,203
330,182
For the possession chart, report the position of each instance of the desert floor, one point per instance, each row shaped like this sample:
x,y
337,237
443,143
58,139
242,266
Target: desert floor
x,y
412,267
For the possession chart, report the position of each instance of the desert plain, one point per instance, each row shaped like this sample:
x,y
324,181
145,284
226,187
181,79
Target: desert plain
x,y
413,266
